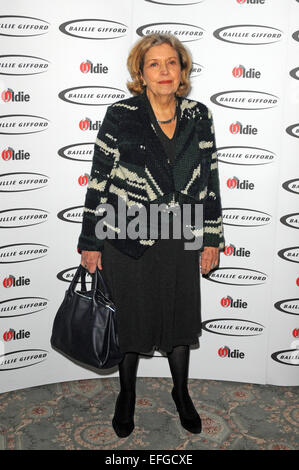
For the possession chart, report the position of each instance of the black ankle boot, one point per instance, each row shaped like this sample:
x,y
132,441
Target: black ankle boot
x,y
124,428
191,423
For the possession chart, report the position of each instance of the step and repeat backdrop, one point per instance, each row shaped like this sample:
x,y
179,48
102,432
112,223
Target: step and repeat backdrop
x,y
61,65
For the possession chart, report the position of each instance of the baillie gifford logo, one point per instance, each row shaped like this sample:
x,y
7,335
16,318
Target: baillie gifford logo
x,y
248,34
288,357
245,99
20,64
290,306
184,32
93,95
225,351
243,155
94,28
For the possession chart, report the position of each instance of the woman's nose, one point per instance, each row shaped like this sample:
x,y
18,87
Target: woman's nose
x,y
164,68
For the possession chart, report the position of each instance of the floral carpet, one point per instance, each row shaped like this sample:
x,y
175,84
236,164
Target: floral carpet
x,y
77,416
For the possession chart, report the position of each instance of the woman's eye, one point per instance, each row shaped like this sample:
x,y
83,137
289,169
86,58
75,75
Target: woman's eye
x,y
153,64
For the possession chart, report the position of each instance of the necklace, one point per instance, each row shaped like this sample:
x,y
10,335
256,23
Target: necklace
x,y
169,120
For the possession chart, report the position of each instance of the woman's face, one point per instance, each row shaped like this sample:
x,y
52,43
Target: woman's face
x,y
162,70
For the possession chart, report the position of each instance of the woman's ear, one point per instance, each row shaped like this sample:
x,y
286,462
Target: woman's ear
x,y
141,78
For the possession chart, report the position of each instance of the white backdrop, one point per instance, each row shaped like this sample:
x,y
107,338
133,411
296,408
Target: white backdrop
x,y
61,64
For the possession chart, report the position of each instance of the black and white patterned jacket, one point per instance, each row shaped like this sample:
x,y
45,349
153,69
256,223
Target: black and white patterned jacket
x,y
130,163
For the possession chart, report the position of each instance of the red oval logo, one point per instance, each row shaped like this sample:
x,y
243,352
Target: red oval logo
x,y
223,352
83,180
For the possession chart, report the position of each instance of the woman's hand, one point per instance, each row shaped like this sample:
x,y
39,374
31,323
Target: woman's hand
x,y
91,259
209,259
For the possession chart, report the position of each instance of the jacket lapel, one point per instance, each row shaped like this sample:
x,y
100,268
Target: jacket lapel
x,y
185,132
152,140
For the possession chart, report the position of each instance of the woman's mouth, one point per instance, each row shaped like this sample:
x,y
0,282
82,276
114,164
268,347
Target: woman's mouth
x,y
164,82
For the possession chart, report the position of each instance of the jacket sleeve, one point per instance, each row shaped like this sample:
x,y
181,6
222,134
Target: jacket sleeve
x,y
105,159
212,225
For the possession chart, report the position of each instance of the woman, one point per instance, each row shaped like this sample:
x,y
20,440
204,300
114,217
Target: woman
x,y
155,147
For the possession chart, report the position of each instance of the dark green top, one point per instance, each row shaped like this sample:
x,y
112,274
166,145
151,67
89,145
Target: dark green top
x,y
168,144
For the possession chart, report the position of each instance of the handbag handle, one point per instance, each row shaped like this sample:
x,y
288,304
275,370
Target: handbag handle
x,y
81,271
97,280
101,283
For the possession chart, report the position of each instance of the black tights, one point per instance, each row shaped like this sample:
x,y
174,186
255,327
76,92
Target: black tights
x,y
178,360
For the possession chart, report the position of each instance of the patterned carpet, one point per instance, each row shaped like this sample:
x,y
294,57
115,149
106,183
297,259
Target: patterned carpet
x,y
77,415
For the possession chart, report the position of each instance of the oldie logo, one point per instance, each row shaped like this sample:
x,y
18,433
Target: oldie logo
x,y
20,64
12,96
229,302
239,128
248,34
289,357
290,254
72,214
237,276
21,306
245,99
78,152
290,220
290,306
293,130
184,32
92,95
242,72
22,217
89,67
233,327
88,125
22,26
231,250
241,155
20,252
94,29
236,183
225,351
12,281
9,154
240,217
25,181
292,186
13,335
15,124
21,359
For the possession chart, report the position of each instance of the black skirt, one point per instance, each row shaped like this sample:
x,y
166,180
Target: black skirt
x,y
157,296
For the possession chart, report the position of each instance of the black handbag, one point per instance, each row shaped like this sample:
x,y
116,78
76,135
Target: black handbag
x,y
84,328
